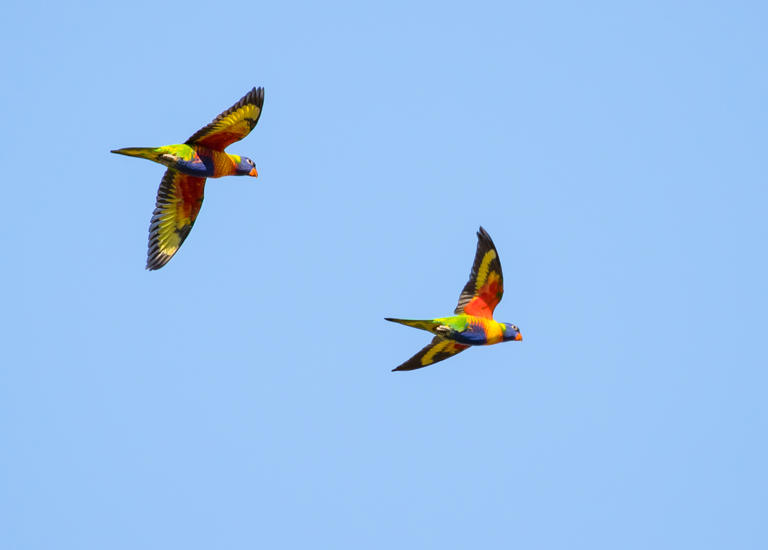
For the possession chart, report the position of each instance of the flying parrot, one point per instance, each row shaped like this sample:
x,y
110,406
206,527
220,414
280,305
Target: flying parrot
x,y
473,324
202,156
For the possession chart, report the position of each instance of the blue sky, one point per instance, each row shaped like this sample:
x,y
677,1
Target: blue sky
x,y
241,397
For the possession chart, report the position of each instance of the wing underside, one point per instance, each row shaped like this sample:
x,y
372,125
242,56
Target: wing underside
x,y
437,350
233,124
179,199
485,287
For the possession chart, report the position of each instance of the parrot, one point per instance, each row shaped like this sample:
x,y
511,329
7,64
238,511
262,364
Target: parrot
x,y
472,323
202,156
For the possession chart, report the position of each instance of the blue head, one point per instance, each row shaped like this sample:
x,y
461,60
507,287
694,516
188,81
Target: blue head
x,y
246,167
511,332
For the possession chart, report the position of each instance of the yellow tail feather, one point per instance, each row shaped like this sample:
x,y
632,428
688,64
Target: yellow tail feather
x,y
149,153
429,326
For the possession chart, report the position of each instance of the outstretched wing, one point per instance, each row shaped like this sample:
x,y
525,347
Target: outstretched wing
x,y
179,199
483,291
233,124
437,350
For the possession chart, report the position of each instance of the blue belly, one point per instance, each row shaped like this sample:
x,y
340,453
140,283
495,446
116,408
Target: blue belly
x,y
196,167
473,335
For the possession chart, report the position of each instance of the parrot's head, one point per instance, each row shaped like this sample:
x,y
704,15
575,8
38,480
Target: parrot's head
x,y
511,332
246,167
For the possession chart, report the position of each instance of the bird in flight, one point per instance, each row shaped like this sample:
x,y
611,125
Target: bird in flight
x,y
473,323
202,156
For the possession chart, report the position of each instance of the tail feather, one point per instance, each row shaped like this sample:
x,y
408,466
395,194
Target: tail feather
x,y
150,153
425,324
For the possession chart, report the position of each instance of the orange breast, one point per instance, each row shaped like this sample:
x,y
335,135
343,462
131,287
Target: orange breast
x,y
223,165
493,331
491,328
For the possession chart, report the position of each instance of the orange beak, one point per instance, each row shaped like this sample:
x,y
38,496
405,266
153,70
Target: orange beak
x,y
253,173
519,337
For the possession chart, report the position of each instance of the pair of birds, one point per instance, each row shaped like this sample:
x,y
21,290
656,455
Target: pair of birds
x,y
202,156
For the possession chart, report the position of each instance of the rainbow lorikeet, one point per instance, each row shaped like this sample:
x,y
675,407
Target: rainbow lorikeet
x,y
473,324
202,156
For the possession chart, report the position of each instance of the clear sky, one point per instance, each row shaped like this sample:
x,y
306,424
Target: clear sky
x,y
241,397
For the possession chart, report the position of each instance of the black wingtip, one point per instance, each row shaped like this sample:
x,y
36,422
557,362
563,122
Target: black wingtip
x,y
255,96
483,235
156,262
156,258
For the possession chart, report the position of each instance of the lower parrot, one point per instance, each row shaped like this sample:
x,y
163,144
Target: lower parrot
x,y
473,323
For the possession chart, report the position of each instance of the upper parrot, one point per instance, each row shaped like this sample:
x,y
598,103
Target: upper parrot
x,y
202,156
473,325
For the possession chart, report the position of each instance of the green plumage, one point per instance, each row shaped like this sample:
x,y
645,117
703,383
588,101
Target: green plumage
x,y
167,154
456,322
